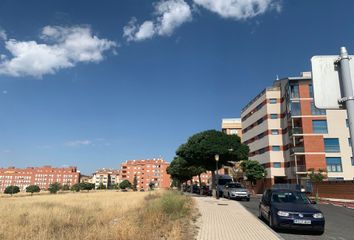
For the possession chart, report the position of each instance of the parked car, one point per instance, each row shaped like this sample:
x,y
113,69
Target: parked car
x,y
196,189
204,190
235,190
222,180
290,209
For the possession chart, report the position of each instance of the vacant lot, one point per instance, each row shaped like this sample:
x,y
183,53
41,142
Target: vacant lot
x,y
97,215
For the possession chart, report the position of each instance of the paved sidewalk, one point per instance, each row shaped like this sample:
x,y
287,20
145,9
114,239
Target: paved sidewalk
x,y
229,220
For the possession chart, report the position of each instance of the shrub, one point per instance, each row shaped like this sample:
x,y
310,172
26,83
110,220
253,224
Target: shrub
x,y
12,190
33,189
54,188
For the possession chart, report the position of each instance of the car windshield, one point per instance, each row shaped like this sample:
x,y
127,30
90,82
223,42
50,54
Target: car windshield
x,y
235,185
289,197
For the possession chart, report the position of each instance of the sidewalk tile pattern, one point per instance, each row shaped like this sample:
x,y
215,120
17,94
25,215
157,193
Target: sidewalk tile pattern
x,y
228,220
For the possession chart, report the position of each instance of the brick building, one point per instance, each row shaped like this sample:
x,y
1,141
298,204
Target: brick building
x,y
147,171
41,176
289,135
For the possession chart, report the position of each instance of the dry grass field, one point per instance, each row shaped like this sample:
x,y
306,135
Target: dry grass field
x,y
96,215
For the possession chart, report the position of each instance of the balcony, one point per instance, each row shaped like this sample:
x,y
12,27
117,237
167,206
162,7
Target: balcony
x,y
300,169
296,130
295,150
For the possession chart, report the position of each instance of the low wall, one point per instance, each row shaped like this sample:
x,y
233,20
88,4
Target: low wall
x,y
334,189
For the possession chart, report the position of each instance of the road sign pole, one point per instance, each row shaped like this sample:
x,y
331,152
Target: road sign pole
x,y
347,88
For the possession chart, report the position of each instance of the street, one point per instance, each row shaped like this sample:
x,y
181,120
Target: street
x,y
339,222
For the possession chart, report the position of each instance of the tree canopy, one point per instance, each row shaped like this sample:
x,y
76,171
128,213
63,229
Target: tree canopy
x,y
12,190
201,148
54,187
125,184
33,189
253,170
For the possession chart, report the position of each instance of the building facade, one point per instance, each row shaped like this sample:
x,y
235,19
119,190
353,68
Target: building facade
x,y
147,171
40,176
106,177
290,136
232,126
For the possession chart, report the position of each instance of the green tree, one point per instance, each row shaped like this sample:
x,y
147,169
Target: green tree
x,y
101,186
33,189
151,186
87,186
75,187
115,186
125,184
135,183
54,187
181,171
12,190
253,170
316,177
65,187
201,148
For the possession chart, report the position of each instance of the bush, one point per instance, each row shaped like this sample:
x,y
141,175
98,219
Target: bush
x,y
33,189
125,184
11,190
54,188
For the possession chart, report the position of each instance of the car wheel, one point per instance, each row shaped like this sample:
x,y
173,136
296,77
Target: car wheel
x,y
260,216
271,222
248,199
228,196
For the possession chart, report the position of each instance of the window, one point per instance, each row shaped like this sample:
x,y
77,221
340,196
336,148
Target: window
x,y
273,116
275,148
311,90
276,165
294,91
233,131
352,161
319,126
259,121
347,122
316,111
295,109
272,100
275,132
336,179
331,145
350,142
334,164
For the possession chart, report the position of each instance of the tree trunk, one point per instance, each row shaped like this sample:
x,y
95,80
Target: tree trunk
x,y
200,184
213,181
191,185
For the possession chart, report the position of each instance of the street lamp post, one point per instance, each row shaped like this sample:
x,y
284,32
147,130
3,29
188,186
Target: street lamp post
x,y
217,175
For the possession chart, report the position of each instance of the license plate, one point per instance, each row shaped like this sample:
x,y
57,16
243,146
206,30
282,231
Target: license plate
x,y
302,221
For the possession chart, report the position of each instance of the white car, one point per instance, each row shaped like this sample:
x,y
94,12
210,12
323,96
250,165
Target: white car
x,y
234,190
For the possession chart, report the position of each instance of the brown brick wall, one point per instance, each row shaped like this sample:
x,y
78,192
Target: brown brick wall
x,y
339,190
316,161
313,144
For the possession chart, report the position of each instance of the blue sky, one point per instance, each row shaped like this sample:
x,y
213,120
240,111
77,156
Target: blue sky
x,y
95,83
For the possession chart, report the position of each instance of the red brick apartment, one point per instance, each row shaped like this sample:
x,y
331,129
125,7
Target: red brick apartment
x,y
146,171
289,135
41,176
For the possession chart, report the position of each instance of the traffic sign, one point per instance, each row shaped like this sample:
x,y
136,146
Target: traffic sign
x,y
326,83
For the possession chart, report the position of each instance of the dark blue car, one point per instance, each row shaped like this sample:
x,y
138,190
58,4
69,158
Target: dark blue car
x,y
290,209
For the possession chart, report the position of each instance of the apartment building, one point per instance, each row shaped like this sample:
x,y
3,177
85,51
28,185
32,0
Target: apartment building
x,y
41,176
232,126
289,135
147,171
106,177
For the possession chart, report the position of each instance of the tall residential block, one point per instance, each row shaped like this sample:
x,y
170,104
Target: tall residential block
x,y
147,171
232,126
41,176
290,136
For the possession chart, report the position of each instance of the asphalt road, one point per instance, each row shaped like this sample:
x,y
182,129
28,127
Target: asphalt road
x,y
339,223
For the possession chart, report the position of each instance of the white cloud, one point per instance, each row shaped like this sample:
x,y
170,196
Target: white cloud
x,y
78,143
3,35
170,14
239,9
63,47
